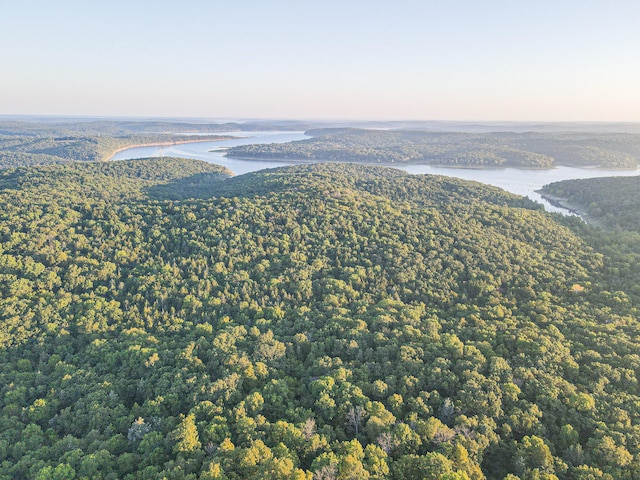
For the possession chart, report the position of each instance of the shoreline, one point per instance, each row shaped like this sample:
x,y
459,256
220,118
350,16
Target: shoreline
x,y
166,144
562,202
303,161
298,161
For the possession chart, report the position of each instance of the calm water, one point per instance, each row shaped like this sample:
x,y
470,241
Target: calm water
x,y
201,150
521,182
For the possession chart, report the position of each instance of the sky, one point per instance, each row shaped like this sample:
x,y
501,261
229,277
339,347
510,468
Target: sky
x,y
516,60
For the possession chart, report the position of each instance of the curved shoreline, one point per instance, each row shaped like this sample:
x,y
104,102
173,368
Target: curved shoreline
x,y
562,202
166,144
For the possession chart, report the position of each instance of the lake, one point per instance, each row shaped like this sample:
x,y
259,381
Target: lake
x,y
202,150
519,181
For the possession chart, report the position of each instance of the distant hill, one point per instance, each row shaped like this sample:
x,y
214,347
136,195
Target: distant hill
x,y
498,149
26,150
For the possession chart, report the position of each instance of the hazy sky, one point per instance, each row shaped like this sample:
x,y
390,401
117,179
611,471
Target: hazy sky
x,y
348,59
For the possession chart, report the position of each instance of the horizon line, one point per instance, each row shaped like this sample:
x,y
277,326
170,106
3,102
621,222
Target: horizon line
x,y
230,119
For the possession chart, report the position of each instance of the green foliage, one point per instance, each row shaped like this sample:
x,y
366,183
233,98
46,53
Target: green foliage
x,y
186,436
613,206
613,202
159,319
524,150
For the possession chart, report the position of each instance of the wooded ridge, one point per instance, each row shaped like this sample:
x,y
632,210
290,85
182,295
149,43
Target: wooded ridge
x,y
162,319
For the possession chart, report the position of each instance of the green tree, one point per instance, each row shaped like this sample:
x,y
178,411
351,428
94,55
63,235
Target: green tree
x,y
186,436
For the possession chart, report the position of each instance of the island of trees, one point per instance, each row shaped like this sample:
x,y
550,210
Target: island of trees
x,y
461,149
163,319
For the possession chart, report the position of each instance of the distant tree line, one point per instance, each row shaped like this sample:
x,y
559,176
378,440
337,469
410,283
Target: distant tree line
x,y
520,150
25,150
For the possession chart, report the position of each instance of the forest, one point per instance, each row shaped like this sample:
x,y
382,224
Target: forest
x,y
462,149
613,202
162,318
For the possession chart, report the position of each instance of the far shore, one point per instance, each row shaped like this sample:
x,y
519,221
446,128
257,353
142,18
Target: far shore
x,y
297,161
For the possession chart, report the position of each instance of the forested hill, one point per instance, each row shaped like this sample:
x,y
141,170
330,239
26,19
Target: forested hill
x,y
463,149
614,202
116,182
325,322
28,149
392,184
612,206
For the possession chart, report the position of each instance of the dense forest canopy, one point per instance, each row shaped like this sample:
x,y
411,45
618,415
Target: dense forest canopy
x,y
464,149
613,204
161,319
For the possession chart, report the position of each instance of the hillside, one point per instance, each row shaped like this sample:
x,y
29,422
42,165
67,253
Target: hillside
x,y
161,319
461,149
612,207
612,201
